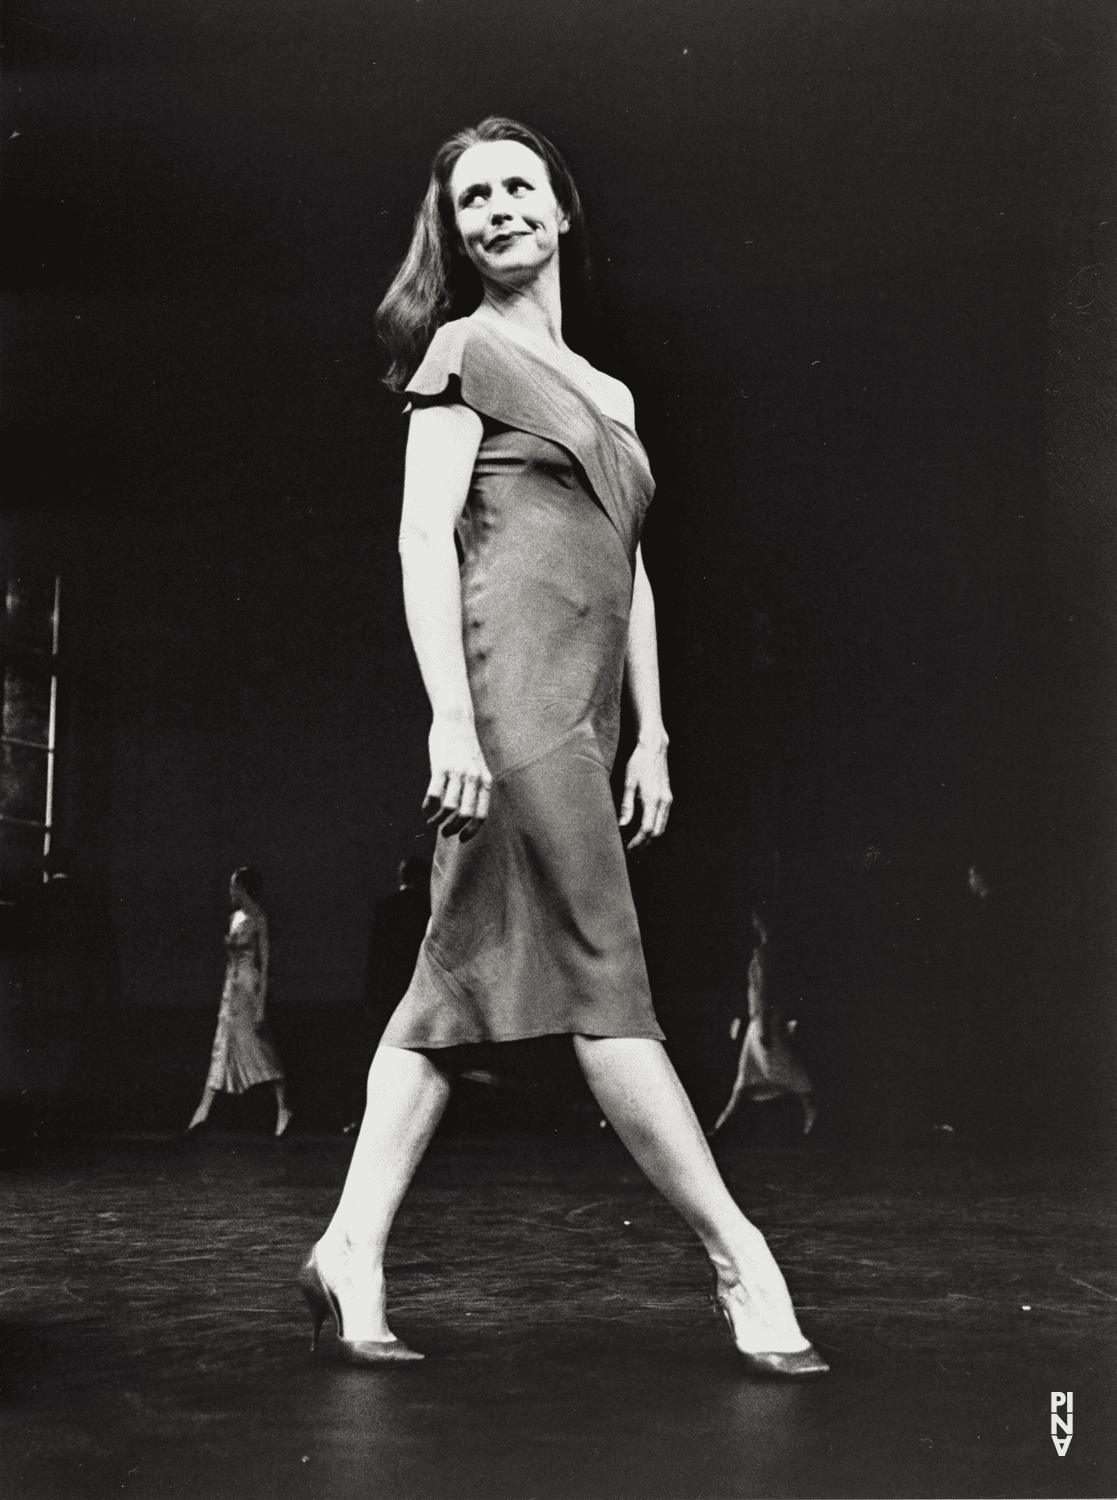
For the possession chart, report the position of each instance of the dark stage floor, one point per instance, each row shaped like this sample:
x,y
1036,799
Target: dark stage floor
x,y
153,1342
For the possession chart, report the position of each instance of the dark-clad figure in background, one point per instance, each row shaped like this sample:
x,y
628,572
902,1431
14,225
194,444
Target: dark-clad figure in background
x,y
70,933
768,1067
60,984
399,924
527,455
969,977
244,1052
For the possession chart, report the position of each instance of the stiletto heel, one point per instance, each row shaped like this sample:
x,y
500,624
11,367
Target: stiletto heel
x,y
323,1303
802,1364
318,1297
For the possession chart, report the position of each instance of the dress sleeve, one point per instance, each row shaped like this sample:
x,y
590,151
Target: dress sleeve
x,y
438,379
508,384
463,364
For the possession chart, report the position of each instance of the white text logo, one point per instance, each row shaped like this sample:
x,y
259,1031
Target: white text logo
x,y
1062,1401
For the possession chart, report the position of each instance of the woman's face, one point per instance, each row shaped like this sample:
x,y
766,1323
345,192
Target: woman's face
x,y
506,211
236,894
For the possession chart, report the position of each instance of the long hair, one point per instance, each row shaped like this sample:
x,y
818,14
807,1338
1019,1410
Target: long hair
x,y
437,281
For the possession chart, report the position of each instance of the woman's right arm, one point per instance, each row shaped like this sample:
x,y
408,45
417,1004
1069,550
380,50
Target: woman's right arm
x,y
442,446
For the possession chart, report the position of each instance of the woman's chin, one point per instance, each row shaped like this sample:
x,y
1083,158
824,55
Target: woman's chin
x,y
515,271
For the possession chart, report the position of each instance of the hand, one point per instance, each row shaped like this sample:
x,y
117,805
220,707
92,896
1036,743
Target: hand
x,y
645,777
458,795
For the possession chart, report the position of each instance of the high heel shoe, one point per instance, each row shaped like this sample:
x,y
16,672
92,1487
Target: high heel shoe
x,y
323,1303
802,1364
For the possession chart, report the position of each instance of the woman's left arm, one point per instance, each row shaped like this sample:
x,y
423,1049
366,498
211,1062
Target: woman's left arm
x,y
645,775
265,956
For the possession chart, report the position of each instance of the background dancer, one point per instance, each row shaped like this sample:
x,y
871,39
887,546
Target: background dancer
x,y
244,1051
768,1068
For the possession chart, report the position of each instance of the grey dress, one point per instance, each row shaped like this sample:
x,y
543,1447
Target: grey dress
x,y
533,928
244,1052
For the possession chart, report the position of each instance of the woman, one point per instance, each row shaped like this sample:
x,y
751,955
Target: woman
x,y
244,1053
530,455
767,1066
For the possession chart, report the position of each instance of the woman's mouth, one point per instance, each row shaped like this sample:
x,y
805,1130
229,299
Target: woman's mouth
x,y
502,241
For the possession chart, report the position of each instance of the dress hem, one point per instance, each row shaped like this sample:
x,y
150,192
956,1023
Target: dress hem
x,y
441,975
528,1036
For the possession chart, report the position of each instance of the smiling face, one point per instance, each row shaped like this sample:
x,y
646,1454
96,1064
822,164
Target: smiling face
x,y
506,211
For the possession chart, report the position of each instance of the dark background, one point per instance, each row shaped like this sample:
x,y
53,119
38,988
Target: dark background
x,y
854,260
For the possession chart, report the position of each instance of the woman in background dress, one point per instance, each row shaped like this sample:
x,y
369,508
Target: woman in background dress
x,y
768,1067
529,455
244,1053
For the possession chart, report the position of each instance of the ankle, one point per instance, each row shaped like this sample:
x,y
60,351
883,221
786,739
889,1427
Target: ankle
x,y
359,1290
349,1257
753,1296
742,1259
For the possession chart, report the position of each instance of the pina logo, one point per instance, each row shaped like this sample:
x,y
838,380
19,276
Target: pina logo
x,y
1062,1400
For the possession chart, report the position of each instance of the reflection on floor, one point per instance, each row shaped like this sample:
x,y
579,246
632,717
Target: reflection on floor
x,y
153,1344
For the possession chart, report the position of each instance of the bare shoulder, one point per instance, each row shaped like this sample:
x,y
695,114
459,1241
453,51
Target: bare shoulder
x,y
443,416
450,425
613,396
626,406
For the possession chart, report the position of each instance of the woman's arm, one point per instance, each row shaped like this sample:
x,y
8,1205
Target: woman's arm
x,y
442,448
265,953
646,773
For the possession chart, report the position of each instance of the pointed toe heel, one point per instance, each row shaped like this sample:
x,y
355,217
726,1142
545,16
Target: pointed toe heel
x,y
378,1352
323,1304
319,1299
804,1364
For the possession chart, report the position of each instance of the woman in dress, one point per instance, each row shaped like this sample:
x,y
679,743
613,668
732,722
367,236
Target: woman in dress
x,y
768,1067
244,1052
530,455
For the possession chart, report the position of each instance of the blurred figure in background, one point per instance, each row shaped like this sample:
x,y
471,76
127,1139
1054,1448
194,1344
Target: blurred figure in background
x,y
244,1052
968,976
767,1067
68,930
59,992
398,925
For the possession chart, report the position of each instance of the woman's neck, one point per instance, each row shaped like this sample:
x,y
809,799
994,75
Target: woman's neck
x,y
535,309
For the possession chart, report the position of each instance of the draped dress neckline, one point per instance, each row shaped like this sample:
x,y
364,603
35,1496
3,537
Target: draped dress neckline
x,y
533,348
512,383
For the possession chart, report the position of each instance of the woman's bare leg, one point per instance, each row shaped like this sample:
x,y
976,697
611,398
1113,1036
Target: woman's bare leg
x,y
406,1097
635,1084
282,1108
201,1114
